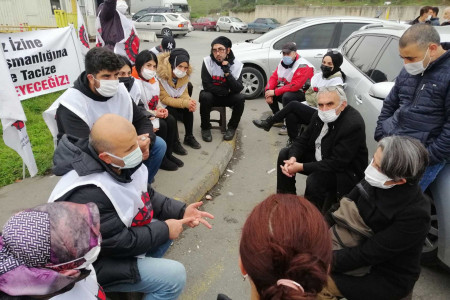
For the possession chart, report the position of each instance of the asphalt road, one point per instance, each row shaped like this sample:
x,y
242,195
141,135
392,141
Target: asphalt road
x,y
211,256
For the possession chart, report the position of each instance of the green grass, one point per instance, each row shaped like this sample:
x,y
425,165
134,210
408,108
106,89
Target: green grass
x,y
40,137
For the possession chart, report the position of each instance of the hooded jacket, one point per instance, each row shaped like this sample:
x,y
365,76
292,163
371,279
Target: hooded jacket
x,y
165,73
117,262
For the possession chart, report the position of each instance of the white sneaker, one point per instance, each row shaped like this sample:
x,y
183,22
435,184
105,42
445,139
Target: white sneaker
x,y
283,131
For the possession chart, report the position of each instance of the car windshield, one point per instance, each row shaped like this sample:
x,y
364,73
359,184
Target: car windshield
x,y
233,19
272,21
275,33
172,17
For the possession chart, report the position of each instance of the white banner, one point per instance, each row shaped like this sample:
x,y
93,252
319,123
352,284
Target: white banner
x,y
13,119
42,61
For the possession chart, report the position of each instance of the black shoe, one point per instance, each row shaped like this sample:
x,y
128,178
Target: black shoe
x,y
229,134
264,124
168,165
191,142
206,135
178,149
177,161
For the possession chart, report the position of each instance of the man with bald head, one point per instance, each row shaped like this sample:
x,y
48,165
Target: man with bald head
x,y
137,223
419,103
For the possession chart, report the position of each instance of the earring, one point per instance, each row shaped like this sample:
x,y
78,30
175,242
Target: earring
x,y
245,276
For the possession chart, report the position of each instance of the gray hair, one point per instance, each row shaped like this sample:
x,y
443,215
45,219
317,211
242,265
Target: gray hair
x,y
420,34
403,157
337,89
100,145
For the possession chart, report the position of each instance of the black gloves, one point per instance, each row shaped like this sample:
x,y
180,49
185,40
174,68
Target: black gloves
x,y
226,68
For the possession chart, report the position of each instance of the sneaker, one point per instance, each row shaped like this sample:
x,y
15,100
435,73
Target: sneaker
x,y
178,149
191,142
279,124
229,134
206,135
176,160
283,131
168,165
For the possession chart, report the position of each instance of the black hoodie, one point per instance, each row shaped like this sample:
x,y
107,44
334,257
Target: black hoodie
x,y
120,244
68,122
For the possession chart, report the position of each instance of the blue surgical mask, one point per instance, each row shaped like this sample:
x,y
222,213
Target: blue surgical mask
x,y
287,60
130,161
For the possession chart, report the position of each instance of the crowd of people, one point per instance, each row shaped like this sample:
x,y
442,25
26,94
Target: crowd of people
x,y
356,233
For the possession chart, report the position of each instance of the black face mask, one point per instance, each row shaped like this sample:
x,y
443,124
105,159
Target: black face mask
x,y
326,70
126,81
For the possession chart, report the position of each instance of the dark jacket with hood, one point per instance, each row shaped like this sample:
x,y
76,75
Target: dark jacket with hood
x,y
344,150
219,88
69,123
400,220
419,106
117,262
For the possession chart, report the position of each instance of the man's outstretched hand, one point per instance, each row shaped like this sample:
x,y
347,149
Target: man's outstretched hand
x,y
198,215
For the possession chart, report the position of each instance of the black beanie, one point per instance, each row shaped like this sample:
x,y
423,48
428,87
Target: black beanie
x,y
223,40
336,58
168,43
178,56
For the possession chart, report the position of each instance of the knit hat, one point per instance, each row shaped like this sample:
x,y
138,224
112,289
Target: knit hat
x,y
178,56
223,40
336,58
168,43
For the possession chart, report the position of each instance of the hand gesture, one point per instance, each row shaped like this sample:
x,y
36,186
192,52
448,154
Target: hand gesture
x,y
192,105
144,144
161,113
269,100
287,168
192,211
269,93
176,226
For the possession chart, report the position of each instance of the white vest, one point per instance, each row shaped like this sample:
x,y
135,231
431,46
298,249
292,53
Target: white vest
x,y
135,92
129,45
285,74
87,289
149,93
131,200
216,71
317,81
173,92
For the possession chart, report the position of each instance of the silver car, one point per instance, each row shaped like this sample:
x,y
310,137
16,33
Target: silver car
x,y
231,24
371,64
313,37
162,24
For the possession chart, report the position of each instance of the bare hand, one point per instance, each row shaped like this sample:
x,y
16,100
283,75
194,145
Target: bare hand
x,y
269,100
176,226
287,165
144,144
192,105
192,211
162,113
269,93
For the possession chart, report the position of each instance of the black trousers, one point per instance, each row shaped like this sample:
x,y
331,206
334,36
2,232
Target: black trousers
x,y
285,99
318,184
208,100
167,131
295,113
184,115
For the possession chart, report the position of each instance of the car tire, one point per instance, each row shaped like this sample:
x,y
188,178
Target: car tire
x,y
166,32
252,31
205,29
232,29
253,82
217,28
430,247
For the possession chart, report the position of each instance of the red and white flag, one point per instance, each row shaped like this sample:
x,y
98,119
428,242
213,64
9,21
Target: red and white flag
x,y
82,33
13,119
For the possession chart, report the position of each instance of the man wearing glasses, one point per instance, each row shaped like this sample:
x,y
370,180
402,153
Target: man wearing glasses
x,y
222,86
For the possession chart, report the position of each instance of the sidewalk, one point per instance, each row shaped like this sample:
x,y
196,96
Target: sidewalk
x,y
201,171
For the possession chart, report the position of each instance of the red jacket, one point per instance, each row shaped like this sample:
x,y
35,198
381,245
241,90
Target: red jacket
x,y
301,75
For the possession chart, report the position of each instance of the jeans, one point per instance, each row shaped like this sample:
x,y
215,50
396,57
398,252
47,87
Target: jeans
x,y
160,278
208,100
156,156
430,175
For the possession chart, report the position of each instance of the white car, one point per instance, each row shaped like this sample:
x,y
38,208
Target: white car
x,y
231,24
162,24
313,37
180,17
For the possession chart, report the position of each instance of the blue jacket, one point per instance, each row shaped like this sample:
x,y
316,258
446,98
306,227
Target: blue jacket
x,y
419,106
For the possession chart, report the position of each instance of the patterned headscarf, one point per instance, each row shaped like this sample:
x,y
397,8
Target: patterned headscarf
x,y
49,234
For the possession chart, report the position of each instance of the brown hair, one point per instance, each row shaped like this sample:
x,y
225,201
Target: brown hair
x,y
286,237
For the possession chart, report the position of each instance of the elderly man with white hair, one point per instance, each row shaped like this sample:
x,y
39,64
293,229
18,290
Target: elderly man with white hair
x,y
332,151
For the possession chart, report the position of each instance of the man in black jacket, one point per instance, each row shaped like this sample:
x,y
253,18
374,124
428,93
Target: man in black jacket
x,y
332,151
222,86
135,220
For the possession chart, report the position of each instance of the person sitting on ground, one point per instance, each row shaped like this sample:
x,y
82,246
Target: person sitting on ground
x,y
167,44
287,81
285,249
297,113
390,202
332,150
46,252
222,86
424,17
173,75
434,16
97,91
446,17
163,123
136,221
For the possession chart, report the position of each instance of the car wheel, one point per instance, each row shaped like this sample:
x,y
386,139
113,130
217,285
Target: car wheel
x,y
253,82
166,32
205,29
217,28
430,247
231,29
252,31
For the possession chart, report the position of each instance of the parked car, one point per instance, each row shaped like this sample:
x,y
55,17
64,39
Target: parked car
x,y
263,25
205,24
162,24
181,18
150,10
313,37
231,24
371,63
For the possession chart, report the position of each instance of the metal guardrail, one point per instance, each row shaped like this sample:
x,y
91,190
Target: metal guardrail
x,y
22,28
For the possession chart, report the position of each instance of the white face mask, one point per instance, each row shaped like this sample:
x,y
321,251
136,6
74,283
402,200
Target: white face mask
x,y
122,7
417,67
375,178
178,73
429,18
330,115
131,160
148,74
108,88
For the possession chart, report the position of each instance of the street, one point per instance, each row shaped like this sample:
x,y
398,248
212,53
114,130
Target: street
x,y
211,256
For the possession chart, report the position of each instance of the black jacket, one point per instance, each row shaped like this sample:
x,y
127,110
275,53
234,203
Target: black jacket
x,y
70,123
117,262
344,149
400,220
218,88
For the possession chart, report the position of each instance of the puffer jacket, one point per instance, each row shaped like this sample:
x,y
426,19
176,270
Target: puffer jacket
x,y
165,73
117,262
419,106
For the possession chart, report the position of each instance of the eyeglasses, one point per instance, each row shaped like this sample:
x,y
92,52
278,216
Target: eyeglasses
x,y
79,263
220,50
